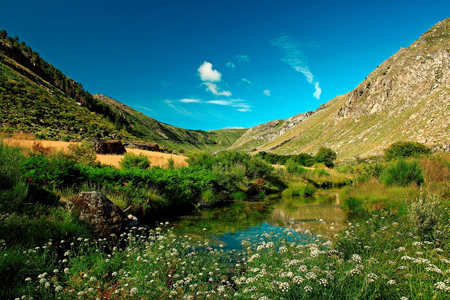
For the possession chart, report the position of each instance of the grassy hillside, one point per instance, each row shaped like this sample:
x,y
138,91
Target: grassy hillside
x,y
406,98
39,99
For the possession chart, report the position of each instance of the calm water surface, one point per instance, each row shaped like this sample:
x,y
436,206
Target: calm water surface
x,y
244,220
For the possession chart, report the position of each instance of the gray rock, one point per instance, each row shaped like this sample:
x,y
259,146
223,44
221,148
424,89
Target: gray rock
x,y
103,216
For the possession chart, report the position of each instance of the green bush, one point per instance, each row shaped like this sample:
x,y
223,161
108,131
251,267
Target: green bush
x,y
81,153
53,172
402,173
325,156
353,204
424,214
405,149
131,161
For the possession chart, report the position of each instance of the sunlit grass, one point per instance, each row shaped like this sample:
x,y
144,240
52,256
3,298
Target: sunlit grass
x,y
380,257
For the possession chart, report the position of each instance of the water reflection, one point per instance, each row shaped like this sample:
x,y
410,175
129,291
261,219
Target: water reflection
x,y
229,226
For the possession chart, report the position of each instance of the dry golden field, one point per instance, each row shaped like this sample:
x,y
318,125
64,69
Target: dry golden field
x,y
156,158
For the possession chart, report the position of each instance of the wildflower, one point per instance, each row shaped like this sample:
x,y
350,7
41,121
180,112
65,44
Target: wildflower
x,y
356,257
27,279
371,277
66,270
442,286
298,279
133,291
58,288
391,282
308,288
311,275
323,281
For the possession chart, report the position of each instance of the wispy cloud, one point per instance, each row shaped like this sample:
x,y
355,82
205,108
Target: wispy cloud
x,y
207,73
242,57
186,100
239,103
144,108
212,87
294,57
230,65
246,80
267,93
178,108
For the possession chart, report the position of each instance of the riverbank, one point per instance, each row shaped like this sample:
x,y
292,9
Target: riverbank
x,y
389,253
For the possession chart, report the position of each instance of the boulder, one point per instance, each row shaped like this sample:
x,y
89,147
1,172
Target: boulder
x,y
108,147
104,217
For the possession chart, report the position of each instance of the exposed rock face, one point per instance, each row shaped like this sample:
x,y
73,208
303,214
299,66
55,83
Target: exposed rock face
x,y
267,132
98,211
108,147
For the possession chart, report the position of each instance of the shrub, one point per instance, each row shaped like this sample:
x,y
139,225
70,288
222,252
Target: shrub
x,y
405,149
53,171
424,214
353,204
81,153
402,173
133,161
325,156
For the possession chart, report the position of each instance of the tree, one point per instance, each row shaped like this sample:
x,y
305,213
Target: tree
x,y
325,156
3,34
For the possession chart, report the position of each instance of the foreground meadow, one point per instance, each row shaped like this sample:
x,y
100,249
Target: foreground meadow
x,y
382,257
394,246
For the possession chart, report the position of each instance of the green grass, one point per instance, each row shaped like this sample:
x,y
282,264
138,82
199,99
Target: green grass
x,y
379,257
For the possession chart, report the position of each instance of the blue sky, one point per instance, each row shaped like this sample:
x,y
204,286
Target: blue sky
x,y
223,63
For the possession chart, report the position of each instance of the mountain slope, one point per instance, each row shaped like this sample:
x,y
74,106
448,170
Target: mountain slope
x,y
406,98
35,97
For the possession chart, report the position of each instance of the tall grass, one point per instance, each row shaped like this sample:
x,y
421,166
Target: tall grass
x,y
378,258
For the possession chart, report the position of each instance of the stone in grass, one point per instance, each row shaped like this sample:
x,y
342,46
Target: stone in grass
x,y
103,216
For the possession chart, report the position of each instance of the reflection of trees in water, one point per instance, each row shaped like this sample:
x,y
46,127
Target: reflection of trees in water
x,y
239,216
309,214
236,217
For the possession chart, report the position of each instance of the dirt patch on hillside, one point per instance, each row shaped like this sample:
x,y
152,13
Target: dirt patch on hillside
x,y
156,158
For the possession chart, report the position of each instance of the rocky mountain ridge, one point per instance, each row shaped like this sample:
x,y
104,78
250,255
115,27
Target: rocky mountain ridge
x,y
407,97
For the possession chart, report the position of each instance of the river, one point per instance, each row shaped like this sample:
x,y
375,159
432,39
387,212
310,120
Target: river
x,y
228,226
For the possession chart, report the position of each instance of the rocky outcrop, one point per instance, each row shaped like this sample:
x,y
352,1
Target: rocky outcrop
x,y
108,147
105,218
269,131
143,146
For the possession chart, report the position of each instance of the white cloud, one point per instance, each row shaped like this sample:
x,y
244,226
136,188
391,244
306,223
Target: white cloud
x,y
246,80
318,91
230,65
207,73
267,93
240,104
294,57
242,57
186,100
220,102
212,87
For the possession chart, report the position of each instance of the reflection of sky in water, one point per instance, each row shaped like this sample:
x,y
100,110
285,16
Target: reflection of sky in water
x,y
243,220
233,240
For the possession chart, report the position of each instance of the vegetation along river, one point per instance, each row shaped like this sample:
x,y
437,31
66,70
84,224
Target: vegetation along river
x,y
228,226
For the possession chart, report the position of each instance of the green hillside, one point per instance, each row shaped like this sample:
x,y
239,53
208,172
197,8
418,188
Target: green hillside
x,y
38,98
